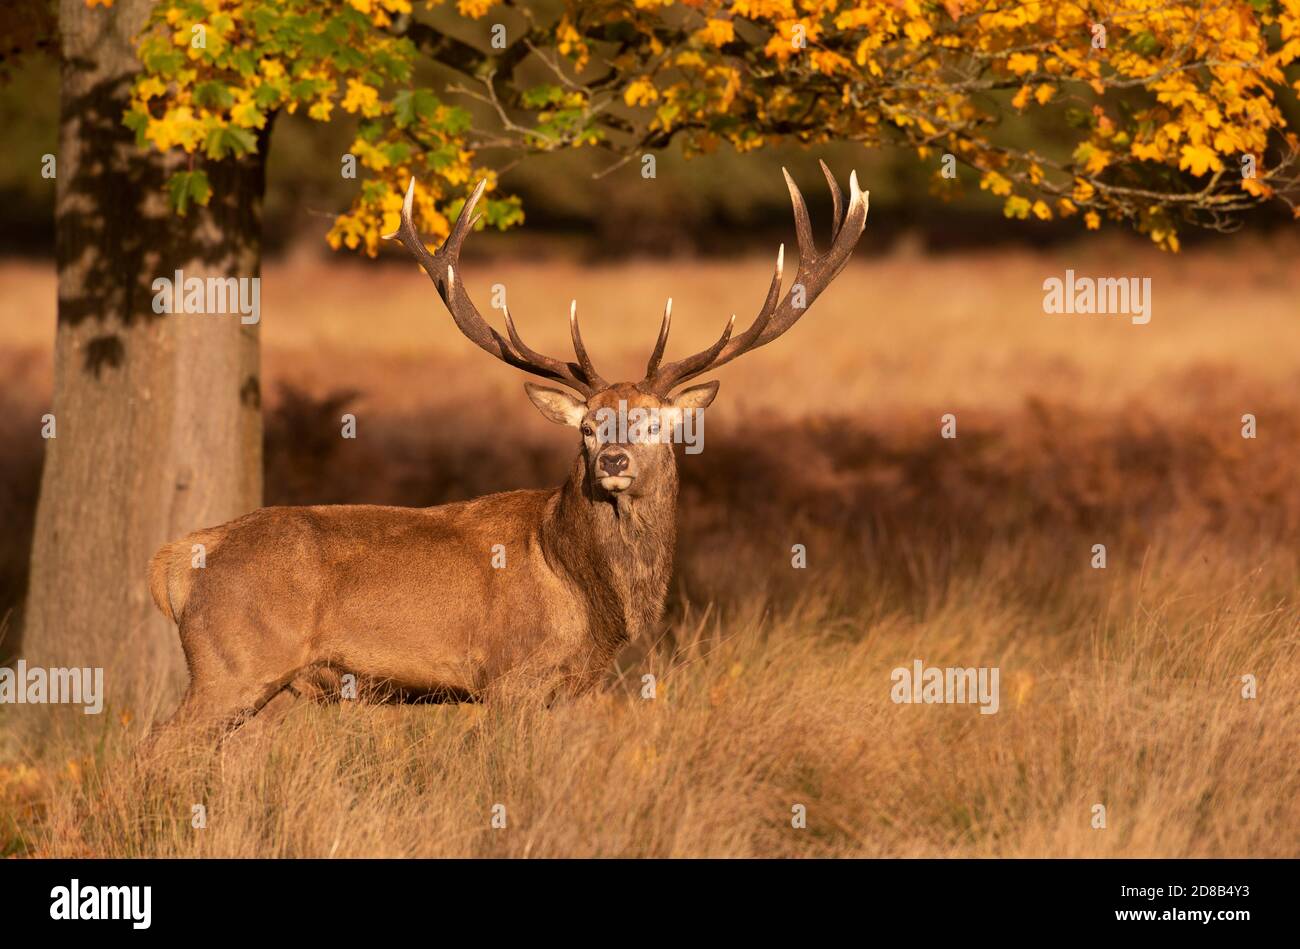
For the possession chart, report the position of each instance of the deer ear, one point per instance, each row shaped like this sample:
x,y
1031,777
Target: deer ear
x,y
557,405
696,397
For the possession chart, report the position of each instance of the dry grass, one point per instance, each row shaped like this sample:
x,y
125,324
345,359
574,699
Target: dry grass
x,y
1119,687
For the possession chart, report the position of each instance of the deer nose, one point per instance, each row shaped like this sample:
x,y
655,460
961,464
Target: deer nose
x,y
613,462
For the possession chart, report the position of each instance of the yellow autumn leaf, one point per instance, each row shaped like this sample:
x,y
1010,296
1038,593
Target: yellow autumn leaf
x,y
248,115
1148,151
1098,159
149,87
1021,63
177,128
1226,142
717,32
361,98
640,92
1256,187
918,30
1017,207
1199,159
994,182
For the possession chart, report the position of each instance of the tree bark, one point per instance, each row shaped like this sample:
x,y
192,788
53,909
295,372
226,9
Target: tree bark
x,y
158,416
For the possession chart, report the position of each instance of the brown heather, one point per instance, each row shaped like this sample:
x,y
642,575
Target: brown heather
x,y
1118,686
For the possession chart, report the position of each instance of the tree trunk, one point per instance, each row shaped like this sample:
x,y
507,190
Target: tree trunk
x,y
158,421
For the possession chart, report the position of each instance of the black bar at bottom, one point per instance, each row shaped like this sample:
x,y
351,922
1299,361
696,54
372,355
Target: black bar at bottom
x,y
305,898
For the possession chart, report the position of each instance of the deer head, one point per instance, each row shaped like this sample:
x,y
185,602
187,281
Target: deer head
x,y
633,455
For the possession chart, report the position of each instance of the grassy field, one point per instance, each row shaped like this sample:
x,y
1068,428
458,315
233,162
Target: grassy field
x,y
1119,686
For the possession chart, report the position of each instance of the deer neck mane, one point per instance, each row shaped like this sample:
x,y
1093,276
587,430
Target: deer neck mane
x,y
618,551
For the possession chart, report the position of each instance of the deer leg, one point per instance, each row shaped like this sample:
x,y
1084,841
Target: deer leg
x,y
163,733
228,686
202,711
268,698
573,682
212,707
302,686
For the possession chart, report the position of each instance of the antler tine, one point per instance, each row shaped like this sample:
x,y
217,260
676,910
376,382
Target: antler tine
x,y
527,354
700,362
653,365
802,223
747,338
584,361
407,235
837,199
441,268
464,223
816,271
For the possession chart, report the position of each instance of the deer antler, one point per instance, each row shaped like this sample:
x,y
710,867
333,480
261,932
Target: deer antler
x,y
816,271
441,268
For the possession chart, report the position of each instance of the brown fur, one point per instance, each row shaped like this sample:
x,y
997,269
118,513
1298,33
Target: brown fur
x,y
409,596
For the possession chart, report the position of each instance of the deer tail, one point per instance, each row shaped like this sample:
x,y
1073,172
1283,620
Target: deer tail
x,y
171,572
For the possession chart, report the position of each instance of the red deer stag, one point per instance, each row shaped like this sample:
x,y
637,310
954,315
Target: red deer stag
x,y
410,596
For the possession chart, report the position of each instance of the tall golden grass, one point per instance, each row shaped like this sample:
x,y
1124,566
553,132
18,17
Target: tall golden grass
x,y
1120,687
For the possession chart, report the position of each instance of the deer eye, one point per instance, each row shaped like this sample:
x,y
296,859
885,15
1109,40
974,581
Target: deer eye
x,y
588,431
652,429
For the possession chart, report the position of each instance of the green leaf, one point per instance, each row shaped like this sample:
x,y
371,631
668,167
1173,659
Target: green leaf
x,y
245,61
319,46
410,104
305,89
504,212
1078,118
1144,43
458,121
265,19
213,95
162,61
396,152
438,158
268,94
229,140
187,186
137,120
539,96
